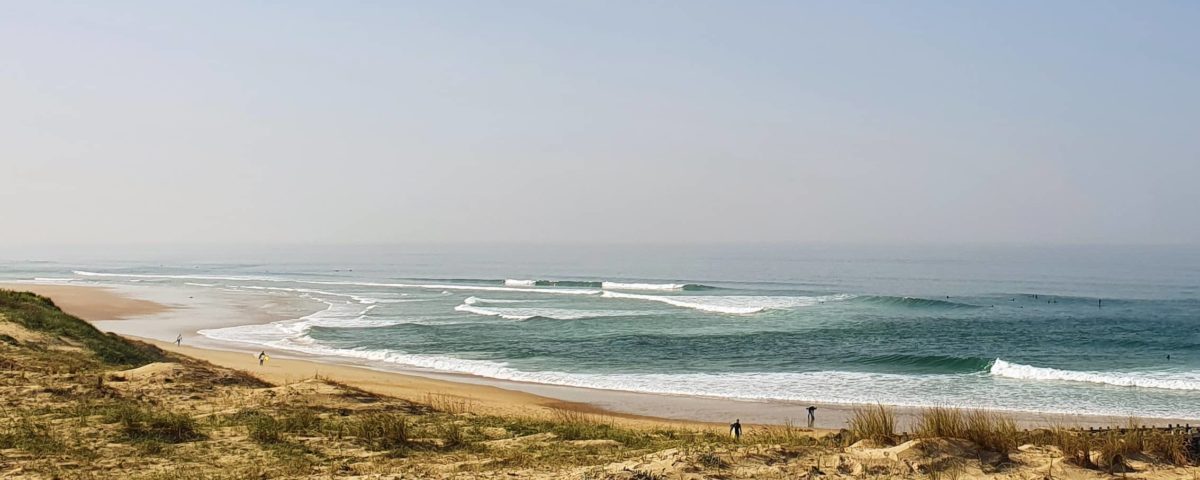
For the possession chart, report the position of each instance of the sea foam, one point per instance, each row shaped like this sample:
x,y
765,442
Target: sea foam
x,y
1164,380
512,313
731,304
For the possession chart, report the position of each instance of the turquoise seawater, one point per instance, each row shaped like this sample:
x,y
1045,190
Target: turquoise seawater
x,y
1070,330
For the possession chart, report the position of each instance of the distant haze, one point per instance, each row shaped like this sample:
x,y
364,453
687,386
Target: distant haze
x,y
620,122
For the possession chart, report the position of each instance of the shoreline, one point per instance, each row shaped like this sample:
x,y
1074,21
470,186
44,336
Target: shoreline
x,y
121,311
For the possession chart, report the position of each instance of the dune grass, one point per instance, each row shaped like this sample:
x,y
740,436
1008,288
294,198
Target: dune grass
x,y
143,424
31,435
876,423
39,313
379,431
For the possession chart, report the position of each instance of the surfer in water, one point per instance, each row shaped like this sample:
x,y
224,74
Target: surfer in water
x,y
735,429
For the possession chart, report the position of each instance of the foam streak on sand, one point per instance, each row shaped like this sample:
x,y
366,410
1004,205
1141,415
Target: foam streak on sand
x,y
1164,380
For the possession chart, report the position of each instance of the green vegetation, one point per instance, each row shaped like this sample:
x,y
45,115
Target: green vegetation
x,y
140,424
875,423
379,431
39,313
31,435
989,430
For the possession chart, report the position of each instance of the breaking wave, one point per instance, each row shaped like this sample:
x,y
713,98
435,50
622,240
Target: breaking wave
x,y
1164,380
606,285
731,304
530,313
929,363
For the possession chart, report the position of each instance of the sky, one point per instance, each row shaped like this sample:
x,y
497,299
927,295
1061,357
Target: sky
x,y
647,122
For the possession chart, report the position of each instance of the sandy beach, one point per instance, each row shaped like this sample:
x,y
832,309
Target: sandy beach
x,y
157,317
93,303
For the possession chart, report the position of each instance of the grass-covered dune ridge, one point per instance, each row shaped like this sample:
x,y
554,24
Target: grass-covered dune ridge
x,y
38,313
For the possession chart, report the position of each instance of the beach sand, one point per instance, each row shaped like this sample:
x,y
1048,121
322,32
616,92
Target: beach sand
x,y
159,318
93,303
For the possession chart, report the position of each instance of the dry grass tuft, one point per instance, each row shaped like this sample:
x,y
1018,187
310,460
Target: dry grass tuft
x,y
876,423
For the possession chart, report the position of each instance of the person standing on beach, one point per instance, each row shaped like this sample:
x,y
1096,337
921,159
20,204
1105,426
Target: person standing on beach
x,y
812,415
735,429
262,357
178,340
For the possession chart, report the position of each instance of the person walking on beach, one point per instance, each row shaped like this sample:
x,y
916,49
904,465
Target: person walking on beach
x,y
178,340
812,415
262,357
735,429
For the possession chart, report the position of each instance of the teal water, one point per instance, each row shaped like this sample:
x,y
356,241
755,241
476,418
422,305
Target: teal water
x,y
1070,330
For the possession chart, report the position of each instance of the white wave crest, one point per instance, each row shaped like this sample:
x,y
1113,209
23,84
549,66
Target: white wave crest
x,y
54,280
528,313
444,288
509,282
731,304
1164,380
337,314
642,286
473,300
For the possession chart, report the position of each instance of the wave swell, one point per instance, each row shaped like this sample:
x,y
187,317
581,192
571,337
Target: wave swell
x,y
912,302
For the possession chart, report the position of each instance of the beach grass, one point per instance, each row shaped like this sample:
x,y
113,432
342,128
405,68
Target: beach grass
x,y
39,313
876,423
145,424
31,435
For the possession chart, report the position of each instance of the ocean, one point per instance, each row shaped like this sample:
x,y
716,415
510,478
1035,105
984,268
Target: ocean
x,y
1038,329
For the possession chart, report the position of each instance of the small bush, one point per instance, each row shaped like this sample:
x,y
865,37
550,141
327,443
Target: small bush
x,y
712,460
876,423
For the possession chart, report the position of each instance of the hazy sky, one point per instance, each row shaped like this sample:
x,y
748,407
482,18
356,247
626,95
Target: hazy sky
x,y
572,121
